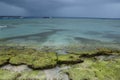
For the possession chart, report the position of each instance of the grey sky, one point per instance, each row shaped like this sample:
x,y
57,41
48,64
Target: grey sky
x,y
61,8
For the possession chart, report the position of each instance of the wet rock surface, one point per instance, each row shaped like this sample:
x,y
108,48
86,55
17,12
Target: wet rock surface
x,y
27,63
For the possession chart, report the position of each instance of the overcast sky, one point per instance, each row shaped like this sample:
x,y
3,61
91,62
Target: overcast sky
x,y
61,8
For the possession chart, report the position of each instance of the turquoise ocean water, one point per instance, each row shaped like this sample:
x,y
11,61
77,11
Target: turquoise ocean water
x,y
60,33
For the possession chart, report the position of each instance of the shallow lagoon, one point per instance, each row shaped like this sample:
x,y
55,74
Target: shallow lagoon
x,y
59,33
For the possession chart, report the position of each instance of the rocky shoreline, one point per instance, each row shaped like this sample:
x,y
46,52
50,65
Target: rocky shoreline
x,y
38,60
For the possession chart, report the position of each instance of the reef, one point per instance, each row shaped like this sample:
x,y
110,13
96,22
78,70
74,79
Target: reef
x,y
95,70
38,59
25,75
31,57
100,64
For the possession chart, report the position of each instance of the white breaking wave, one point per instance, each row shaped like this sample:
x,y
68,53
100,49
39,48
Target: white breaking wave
x,y
4,26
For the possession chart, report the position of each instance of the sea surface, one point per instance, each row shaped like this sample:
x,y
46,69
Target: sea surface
x,y
60,33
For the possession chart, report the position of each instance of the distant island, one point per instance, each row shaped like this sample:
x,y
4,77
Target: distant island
x,y
21,17
11,17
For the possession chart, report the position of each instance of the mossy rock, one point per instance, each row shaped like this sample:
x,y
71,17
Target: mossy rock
x,y
107,70
43,63
41,59
80,71
25,75
32,75
28,56
35,60
8,50
45,60
103,51
8,75
99,70
21,59
69,59
4,59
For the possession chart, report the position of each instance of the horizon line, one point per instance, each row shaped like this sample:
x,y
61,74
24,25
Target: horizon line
x,y
58,17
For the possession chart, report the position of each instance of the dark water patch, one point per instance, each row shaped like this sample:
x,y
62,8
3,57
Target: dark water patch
x,y
58,29
85,40
20,21
115,37
116,41
108,32
37,37
93,33
117,26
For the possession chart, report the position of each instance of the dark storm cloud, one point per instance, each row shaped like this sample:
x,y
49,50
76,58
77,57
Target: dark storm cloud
x,y
73,8
7,9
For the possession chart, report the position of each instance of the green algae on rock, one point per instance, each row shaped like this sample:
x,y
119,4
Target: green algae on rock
x,y
25,75
44,60
99,70
30,57
91,68
4,59
96,51
32,75
107,70
80,71
69,59
41,59
8,75
35,60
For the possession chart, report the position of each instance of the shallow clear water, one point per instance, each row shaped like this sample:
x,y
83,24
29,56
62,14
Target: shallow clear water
x,y
60,32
